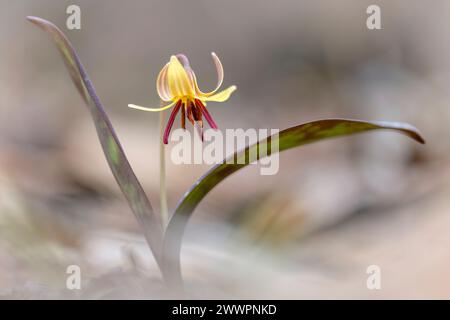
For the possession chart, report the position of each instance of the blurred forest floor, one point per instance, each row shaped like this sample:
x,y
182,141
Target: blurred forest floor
x,y
310,231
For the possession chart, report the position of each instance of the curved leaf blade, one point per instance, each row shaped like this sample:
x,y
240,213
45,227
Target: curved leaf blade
x,y
289,138
115,156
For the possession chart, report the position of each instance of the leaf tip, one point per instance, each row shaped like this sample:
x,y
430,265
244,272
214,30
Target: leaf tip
x,y
403,127
414,133
33,19
420,139
42,23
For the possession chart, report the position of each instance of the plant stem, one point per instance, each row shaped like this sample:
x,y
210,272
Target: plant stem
x,y
162,174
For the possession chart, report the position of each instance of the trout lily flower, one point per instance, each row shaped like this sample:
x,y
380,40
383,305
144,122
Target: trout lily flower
x,y
177,85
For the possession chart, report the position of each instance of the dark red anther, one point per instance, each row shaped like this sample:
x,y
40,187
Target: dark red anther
x,y
189,112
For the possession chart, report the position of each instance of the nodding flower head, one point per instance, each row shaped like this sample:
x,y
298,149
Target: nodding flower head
x,y
177,85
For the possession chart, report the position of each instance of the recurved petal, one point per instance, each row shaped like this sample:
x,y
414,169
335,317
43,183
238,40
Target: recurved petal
x,y
219,69
162,86
221,96
133,106
178,80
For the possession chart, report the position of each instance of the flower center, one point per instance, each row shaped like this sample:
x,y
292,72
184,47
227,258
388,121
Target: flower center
x,y
194,110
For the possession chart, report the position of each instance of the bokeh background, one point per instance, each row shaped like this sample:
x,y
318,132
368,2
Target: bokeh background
x,y
310,231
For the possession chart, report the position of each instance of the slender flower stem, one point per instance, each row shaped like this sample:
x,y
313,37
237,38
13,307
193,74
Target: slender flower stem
x,y
171,274
162,174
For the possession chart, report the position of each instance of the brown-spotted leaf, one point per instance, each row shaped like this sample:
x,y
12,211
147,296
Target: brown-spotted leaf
x,y
288,138
115,156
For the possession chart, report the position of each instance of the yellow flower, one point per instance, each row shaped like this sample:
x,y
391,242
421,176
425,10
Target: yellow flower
x,y
177,85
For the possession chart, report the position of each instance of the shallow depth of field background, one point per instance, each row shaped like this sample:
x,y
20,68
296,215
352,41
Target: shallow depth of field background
x,y
310,231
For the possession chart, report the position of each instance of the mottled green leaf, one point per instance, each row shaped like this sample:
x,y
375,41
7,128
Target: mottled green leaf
x,y
288,138
114,153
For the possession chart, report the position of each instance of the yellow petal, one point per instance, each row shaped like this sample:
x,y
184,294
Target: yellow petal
x,y
162,85
178,79
219,69
221,96
151,109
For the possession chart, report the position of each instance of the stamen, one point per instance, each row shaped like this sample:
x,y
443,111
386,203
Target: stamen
x,y
170,122
189,112
199,127
198,121
196,112
205,112
183,116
